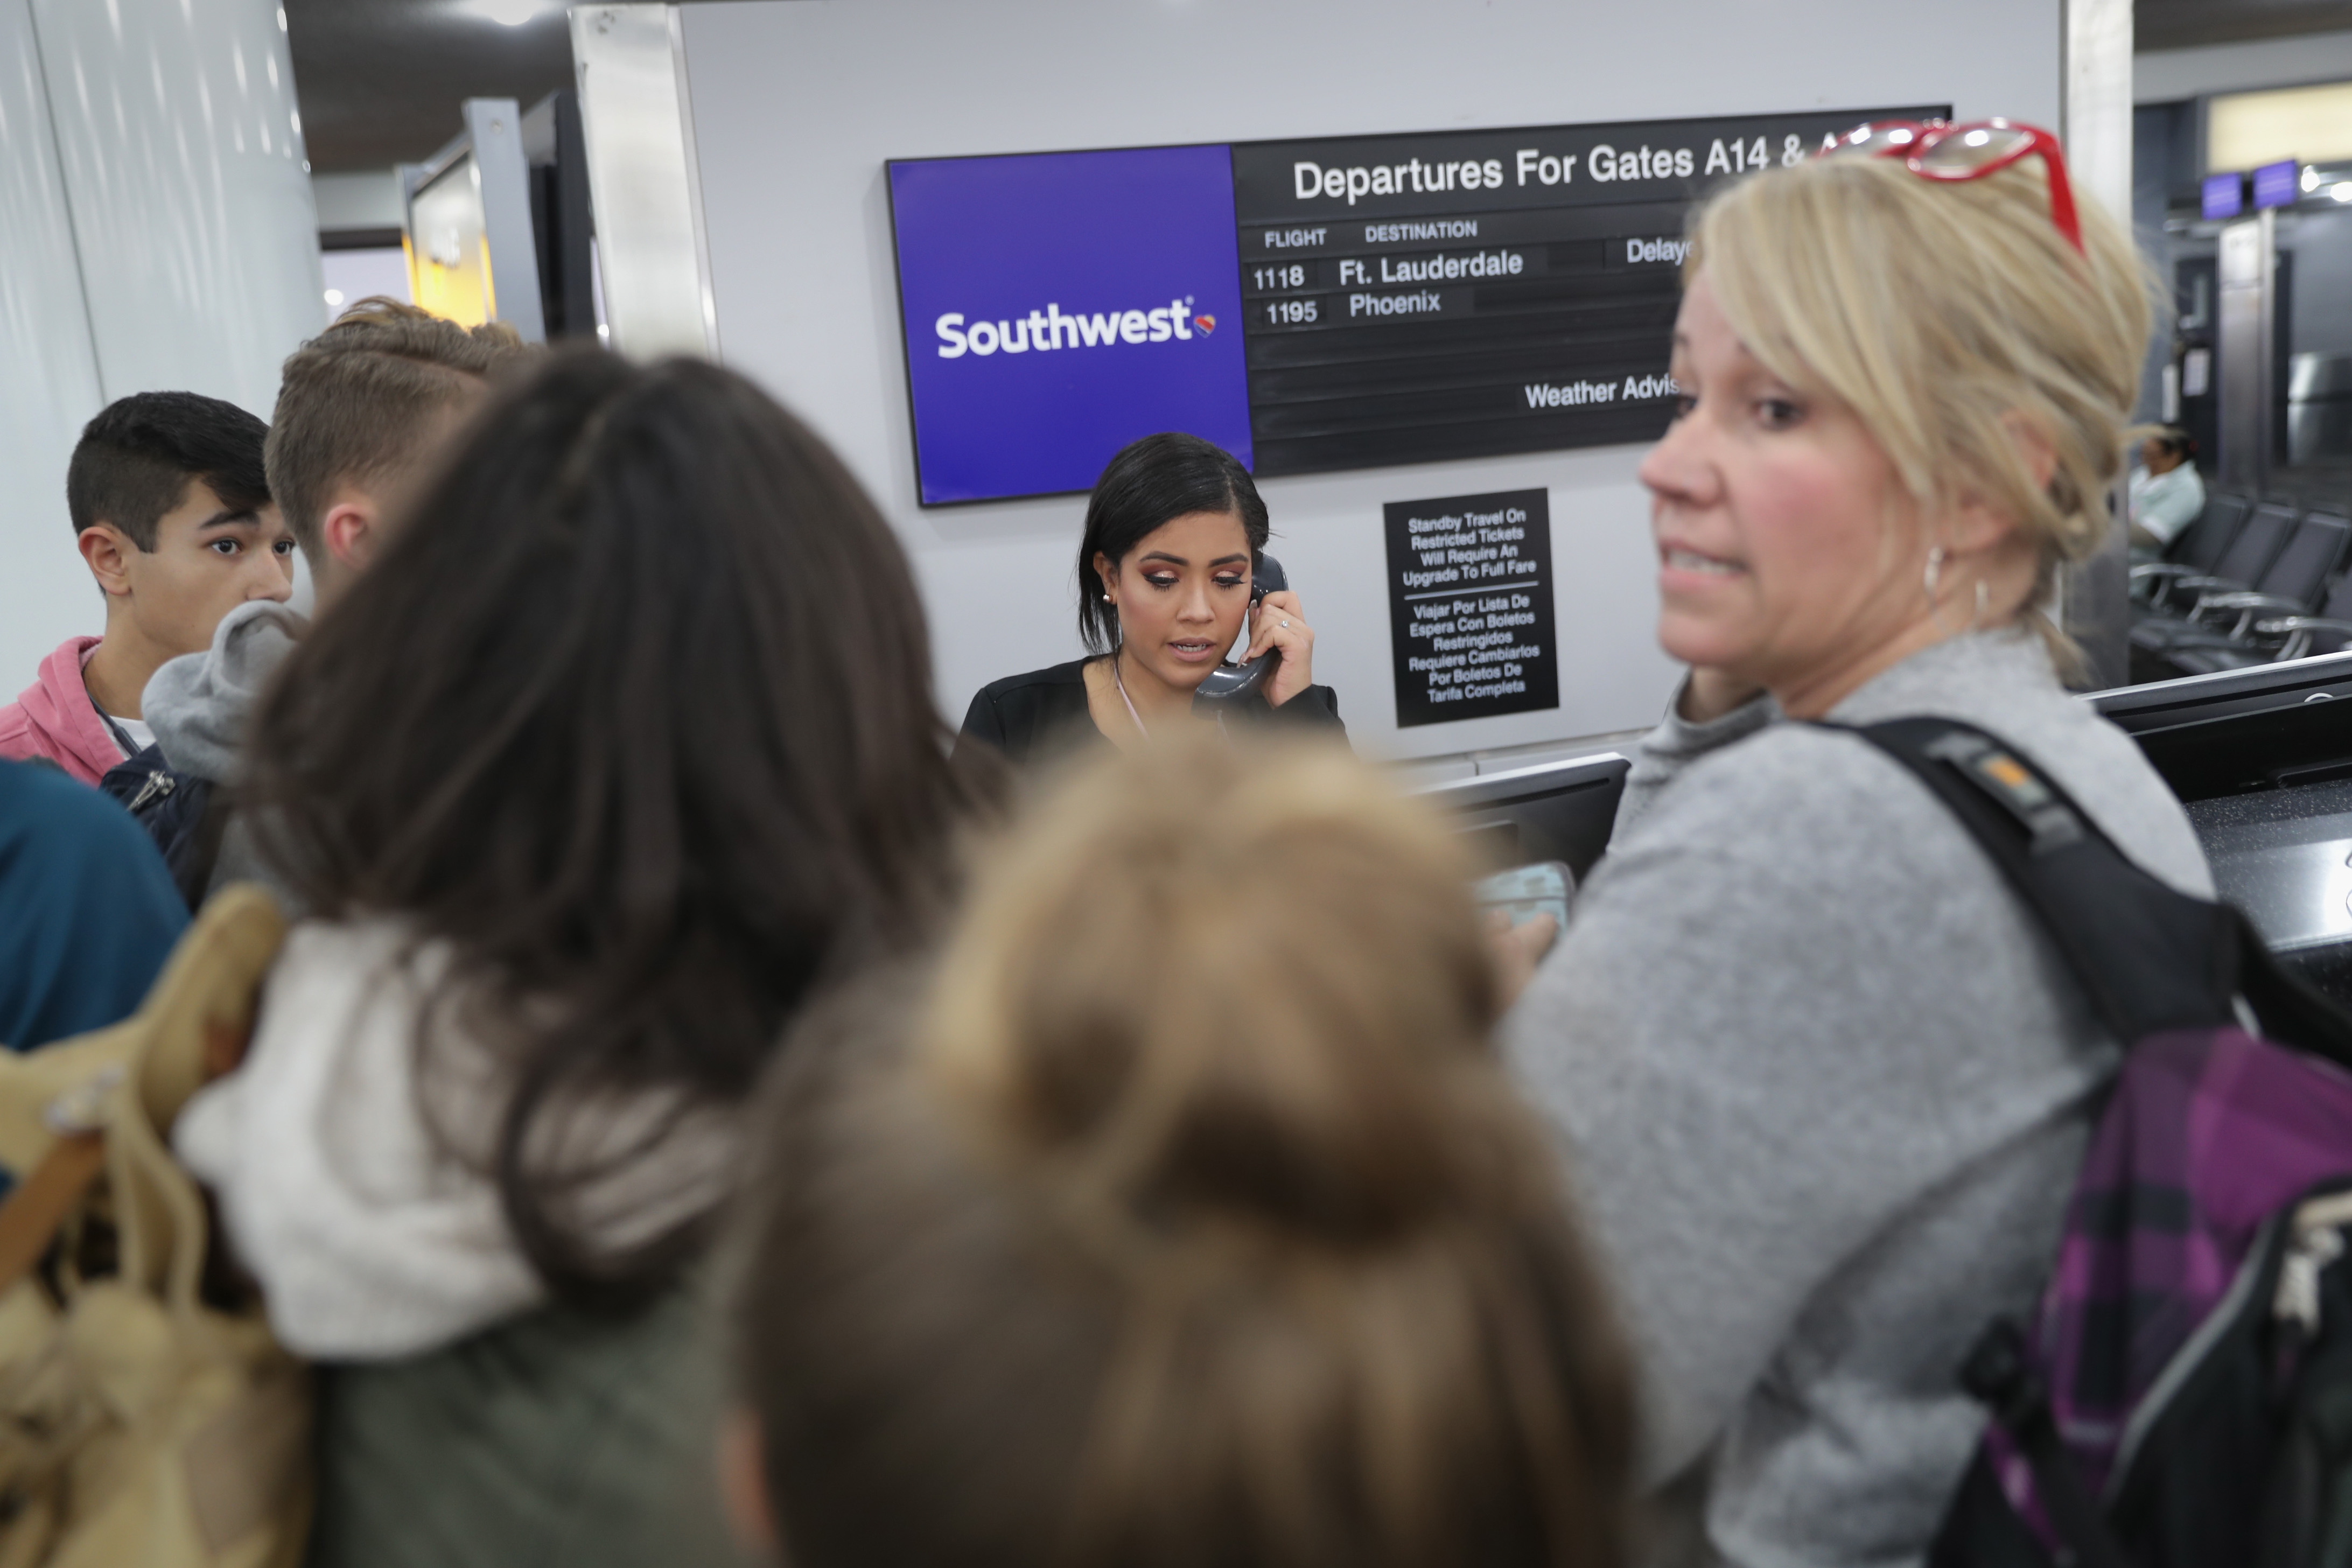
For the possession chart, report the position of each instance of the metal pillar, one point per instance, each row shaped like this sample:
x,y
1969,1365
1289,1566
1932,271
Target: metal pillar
x,y
2247,352
2094,598
654,253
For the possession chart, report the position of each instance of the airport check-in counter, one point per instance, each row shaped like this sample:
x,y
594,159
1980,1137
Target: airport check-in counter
x,y
1552,811
2263,759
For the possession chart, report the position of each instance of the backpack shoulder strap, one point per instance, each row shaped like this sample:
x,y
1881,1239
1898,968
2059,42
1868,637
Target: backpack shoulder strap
x,y
62,1105
2150,957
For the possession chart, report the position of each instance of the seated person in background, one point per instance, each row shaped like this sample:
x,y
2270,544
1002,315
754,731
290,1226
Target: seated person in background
x,y
363,410
172,515
1135,1233
1173,529
87,914
623,743
1821,1083
2166,493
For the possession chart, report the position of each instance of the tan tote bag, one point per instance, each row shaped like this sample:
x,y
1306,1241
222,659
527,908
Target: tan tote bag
x,y
143,1424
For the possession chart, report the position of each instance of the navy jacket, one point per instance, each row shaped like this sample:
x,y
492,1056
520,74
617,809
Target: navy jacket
x,y
173,807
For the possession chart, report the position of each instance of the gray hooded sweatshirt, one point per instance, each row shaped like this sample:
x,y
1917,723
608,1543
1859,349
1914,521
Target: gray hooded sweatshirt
x,y
200,706
1823,1086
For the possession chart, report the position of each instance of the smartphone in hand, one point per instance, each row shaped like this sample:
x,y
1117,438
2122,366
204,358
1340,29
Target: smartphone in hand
x,y
1523,893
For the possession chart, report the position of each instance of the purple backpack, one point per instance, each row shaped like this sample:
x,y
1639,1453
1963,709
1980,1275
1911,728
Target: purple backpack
x,y
2184,1394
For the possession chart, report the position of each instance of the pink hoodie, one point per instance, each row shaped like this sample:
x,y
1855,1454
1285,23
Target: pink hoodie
x,y
54,717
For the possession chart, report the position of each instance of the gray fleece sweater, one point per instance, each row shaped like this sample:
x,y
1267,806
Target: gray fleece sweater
x,y
1823,1087
200,706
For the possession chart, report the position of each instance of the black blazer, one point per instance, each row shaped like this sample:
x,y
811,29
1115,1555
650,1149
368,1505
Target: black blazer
x,y
1042,715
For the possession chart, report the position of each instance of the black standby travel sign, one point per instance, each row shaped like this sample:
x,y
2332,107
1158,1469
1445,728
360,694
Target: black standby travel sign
x,y
1468,293
1470,606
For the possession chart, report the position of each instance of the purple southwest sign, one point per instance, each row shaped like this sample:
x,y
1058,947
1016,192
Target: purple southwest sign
x,y
2224,195
1057,306
2277,185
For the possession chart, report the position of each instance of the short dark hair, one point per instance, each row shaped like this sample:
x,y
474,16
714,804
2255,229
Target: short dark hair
x,y
1152,481
634,712
135,459
2175,442
357,400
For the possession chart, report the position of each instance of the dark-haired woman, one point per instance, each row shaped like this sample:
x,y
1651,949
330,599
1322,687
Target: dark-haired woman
x,y
621,747
1173,534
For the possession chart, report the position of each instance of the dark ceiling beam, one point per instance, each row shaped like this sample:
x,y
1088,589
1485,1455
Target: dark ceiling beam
x,y
380,81
2191,23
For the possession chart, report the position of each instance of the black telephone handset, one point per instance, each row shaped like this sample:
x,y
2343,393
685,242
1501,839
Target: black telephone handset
x,y
1231,682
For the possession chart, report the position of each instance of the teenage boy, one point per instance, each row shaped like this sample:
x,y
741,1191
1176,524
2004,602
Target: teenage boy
x,y
364,409
171,511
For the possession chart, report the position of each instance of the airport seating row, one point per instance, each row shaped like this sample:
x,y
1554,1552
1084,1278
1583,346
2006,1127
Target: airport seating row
x,y
2253,581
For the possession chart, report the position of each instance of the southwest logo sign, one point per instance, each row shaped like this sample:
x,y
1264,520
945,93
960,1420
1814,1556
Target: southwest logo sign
x,y
1049,329
1057,306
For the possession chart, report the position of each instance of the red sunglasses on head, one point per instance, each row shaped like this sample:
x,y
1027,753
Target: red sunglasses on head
x,y
1937,150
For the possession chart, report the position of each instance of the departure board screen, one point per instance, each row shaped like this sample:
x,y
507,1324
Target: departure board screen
x,y
1313,305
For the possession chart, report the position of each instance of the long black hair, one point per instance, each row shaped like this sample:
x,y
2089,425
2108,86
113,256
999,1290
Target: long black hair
x,y
1152,481
635,714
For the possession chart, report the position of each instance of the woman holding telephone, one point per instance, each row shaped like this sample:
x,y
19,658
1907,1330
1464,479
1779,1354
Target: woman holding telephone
x,y
1171,565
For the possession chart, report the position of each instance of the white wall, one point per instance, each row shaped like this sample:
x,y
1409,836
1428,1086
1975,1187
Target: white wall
x,y
796,104
156,233
191,208
48,371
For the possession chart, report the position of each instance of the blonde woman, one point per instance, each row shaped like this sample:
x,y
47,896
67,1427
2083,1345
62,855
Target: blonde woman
x,y
1141,1235
1823,1087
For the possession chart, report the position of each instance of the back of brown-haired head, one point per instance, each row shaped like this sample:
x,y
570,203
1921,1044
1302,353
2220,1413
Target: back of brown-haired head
x,y
633,715
1184,1217
367,405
